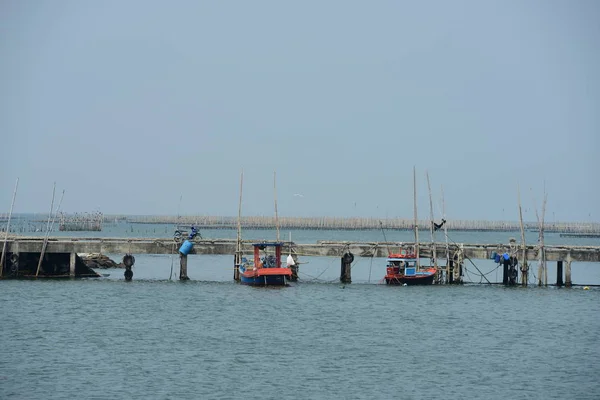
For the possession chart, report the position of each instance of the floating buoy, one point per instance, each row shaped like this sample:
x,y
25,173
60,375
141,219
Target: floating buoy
x,y
586,288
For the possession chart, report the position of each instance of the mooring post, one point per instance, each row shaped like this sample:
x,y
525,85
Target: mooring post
x,y
559,273
72,264
505,264
294,268
345,273
568,281
236,268
183,267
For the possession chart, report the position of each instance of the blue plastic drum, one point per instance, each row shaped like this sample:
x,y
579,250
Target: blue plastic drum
x,y
186,247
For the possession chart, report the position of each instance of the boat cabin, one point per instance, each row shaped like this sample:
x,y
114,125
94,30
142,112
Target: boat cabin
x,y
266,260
402,266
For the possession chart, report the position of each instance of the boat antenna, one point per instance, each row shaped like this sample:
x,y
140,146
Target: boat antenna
x,y
415,211
8,227
384,238
275,194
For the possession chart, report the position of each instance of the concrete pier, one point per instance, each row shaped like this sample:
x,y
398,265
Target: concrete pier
x,y
319,249
29,247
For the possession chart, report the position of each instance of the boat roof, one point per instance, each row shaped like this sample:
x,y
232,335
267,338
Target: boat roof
x,y
268,244
401,259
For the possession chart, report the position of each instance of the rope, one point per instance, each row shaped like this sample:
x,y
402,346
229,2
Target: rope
x,y
471,261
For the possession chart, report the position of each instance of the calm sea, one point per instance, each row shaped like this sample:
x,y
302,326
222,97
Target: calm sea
x,y
209,338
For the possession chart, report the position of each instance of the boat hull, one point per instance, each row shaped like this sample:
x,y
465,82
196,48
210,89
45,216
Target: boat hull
x,y
265,276
420,279
264,280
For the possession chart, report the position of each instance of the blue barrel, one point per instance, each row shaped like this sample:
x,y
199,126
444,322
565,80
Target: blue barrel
x,y
497,258
506,256
186,247
494,254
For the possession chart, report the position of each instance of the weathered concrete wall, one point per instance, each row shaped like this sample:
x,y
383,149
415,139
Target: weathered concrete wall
x,y
326,249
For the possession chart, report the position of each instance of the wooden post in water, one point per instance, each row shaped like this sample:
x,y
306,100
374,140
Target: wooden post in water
x,y
72,264
559,273
183,276
237,258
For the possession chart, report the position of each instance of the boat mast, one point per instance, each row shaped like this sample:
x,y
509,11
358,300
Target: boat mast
x,y
415,211
431,227
275,195
238,249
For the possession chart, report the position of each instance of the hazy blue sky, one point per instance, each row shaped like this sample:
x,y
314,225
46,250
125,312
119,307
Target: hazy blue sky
x,y
129,105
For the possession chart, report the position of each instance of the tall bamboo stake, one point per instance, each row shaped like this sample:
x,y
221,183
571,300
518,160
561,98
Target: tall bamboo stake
x,y
446,235
275,194
12,204
433,249
542,272
49,228
238,251
524,267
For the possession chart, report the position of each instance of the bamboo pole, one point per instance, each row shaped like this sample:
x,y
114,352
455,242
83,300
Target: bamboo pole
x,y
50,226
542,271
12,204
446,236
524,267
433,249
238,249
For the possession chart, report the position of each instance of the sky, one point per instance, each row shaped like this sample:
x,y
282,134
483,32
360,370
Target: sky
x,y
131,106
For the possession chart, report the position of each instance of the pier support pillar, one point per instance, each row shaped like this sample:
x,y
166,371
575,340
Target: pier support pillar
x,y
568,282
183,276
72,264
345,273
559,273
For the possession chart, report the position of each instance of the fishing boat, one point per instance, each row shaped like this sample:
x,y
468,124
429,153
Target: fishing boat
x,y
265,268
403,269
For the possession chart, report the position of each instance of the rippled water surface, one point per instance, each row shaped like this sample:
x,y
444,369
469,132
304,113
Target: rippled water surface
x,y
160,339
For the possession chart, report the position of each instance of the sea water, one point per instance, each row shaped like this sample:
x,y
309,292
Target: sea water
x,y
210,338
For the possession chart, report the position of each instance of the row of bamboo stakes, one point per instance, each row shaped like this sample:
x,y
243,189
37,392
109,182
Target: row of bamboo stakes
x,y
349,223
